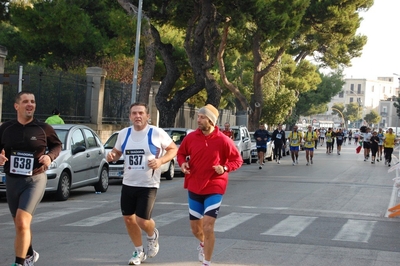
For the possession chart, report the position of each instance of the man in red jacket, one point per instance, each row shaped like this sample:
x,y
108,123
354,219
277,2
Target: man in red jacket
x,y
206,156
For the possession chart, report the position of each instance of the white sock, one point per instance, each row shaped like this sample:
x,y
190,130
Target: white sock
x,y
139,249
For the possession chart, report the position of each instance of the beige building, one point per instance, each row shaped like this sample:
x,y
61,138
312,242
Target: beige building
x,y
367,93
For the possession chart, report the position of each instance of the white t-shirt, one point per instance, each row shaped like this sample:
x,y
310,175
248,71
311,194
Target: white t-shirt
x,y
322,133
140,147
366,136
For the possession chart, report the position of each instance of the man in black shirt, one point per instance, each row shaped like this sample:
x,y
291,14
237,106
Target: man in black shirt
x,y
24,142
278,136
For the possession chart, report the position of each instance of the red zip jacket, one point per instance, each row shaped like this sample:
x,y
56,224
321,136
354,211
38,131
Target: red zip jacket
x,y
206,152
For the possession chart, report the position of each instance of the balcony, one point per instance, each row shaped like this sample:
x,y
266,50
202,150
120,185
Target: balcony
x,y
350,92
384,114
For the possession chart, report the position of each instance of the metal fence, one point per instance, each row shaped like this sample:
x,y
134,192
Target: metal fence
x,y
67,92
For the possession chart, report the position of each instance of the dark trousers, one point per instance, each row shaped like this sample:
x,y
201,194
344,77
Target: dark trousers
x,y
388,154
278,151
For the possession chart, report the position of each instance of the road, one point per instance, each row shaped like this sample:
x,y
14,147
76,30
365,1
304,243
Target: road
x,y
333,212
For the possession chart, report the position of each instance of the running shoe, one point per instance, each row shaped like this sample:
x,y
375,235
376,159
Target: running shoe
x,y
307,163
372,162
137,258
293,163
16,264
279,162
205,264
30,261
297,162
311,161
389,164
377,160
380,158
200,248
152,245
386,162
260,167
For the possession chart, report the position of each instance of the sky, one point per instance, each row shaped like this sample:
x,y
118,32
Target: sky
x,y
381,55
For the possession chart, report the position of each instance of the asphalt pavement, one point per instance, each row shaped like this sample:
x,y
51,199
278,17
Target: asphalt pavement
x,y
333,212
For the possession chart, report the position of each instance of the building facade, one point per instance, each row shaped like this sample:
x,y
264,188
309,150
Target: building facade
x,y
369,95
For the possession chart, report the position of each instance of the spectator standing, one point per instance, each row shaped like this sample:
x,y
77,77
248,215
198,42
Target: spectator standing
x,y
212,156
261,135
55,118
142,146
227,130
278,137
35,145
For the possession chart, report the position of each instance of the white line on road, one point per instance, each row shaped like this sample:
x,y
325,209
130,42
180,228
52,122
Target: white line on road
x,y
170,217
232,220
291,226
355,231
98,219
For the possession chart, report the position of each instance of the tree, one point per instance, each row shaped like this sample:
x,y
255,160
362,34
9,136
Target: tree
x,y
372,118
315,101
352,112
65,34
396,104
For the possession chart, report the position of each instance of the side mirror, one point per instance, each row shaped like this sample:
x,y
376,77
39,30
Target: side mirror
x,y
78,149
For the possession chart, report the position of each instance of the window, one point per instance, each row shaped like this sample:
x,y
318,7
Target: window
x,y
351,99
352,88
77,139
90,138
341,94
384,109
359,88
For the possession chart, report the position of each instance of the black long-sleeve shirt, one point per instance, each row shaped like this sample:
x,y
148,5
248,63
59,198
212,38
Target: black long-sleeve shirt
x,y
278,136
33,137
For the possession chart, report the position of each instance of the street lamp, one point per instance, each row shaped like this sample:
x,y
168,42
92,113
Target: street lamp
x,y
359,102
340,114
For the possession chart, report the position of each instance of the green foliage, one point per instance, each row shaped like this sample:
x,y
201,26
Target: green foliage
x,y
67,34
373,117
314,101
396,104
352,112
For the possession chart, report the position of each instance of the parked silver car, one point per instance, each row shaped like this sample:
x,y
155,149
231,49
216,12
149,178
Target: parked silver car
x,y
81,162
177,134
117,168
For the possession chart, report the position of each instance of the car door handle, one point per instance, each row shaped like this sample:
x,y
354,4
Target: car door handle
x,y
87,155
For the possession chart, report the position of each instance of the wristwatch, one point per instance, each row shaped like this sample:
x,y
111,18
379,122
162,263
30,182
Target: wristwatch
x,y
225,168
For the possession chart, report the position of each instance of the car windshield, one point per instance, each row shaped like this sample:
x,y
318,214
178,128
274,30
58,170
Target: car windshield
x,y
236,135
176,135
252,137
111,141
62,135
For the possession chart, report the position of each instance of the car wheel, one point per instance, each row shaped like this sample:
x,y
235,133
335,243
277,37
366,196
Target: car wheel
x,y
64,187
102,184
248,160
169,175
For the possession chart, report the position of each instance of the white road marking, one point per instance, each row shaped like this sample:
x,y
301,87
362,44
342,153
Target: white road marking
x,y
355,231
291,226
232,220
98,219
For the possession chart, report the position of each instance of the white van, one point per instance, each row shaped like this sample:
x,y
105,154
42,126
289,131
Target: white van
x,y
241,137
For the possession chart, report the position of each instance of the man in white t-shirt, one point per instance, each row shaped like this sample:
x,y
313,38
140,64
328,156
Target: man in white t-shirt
x,y
143,147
